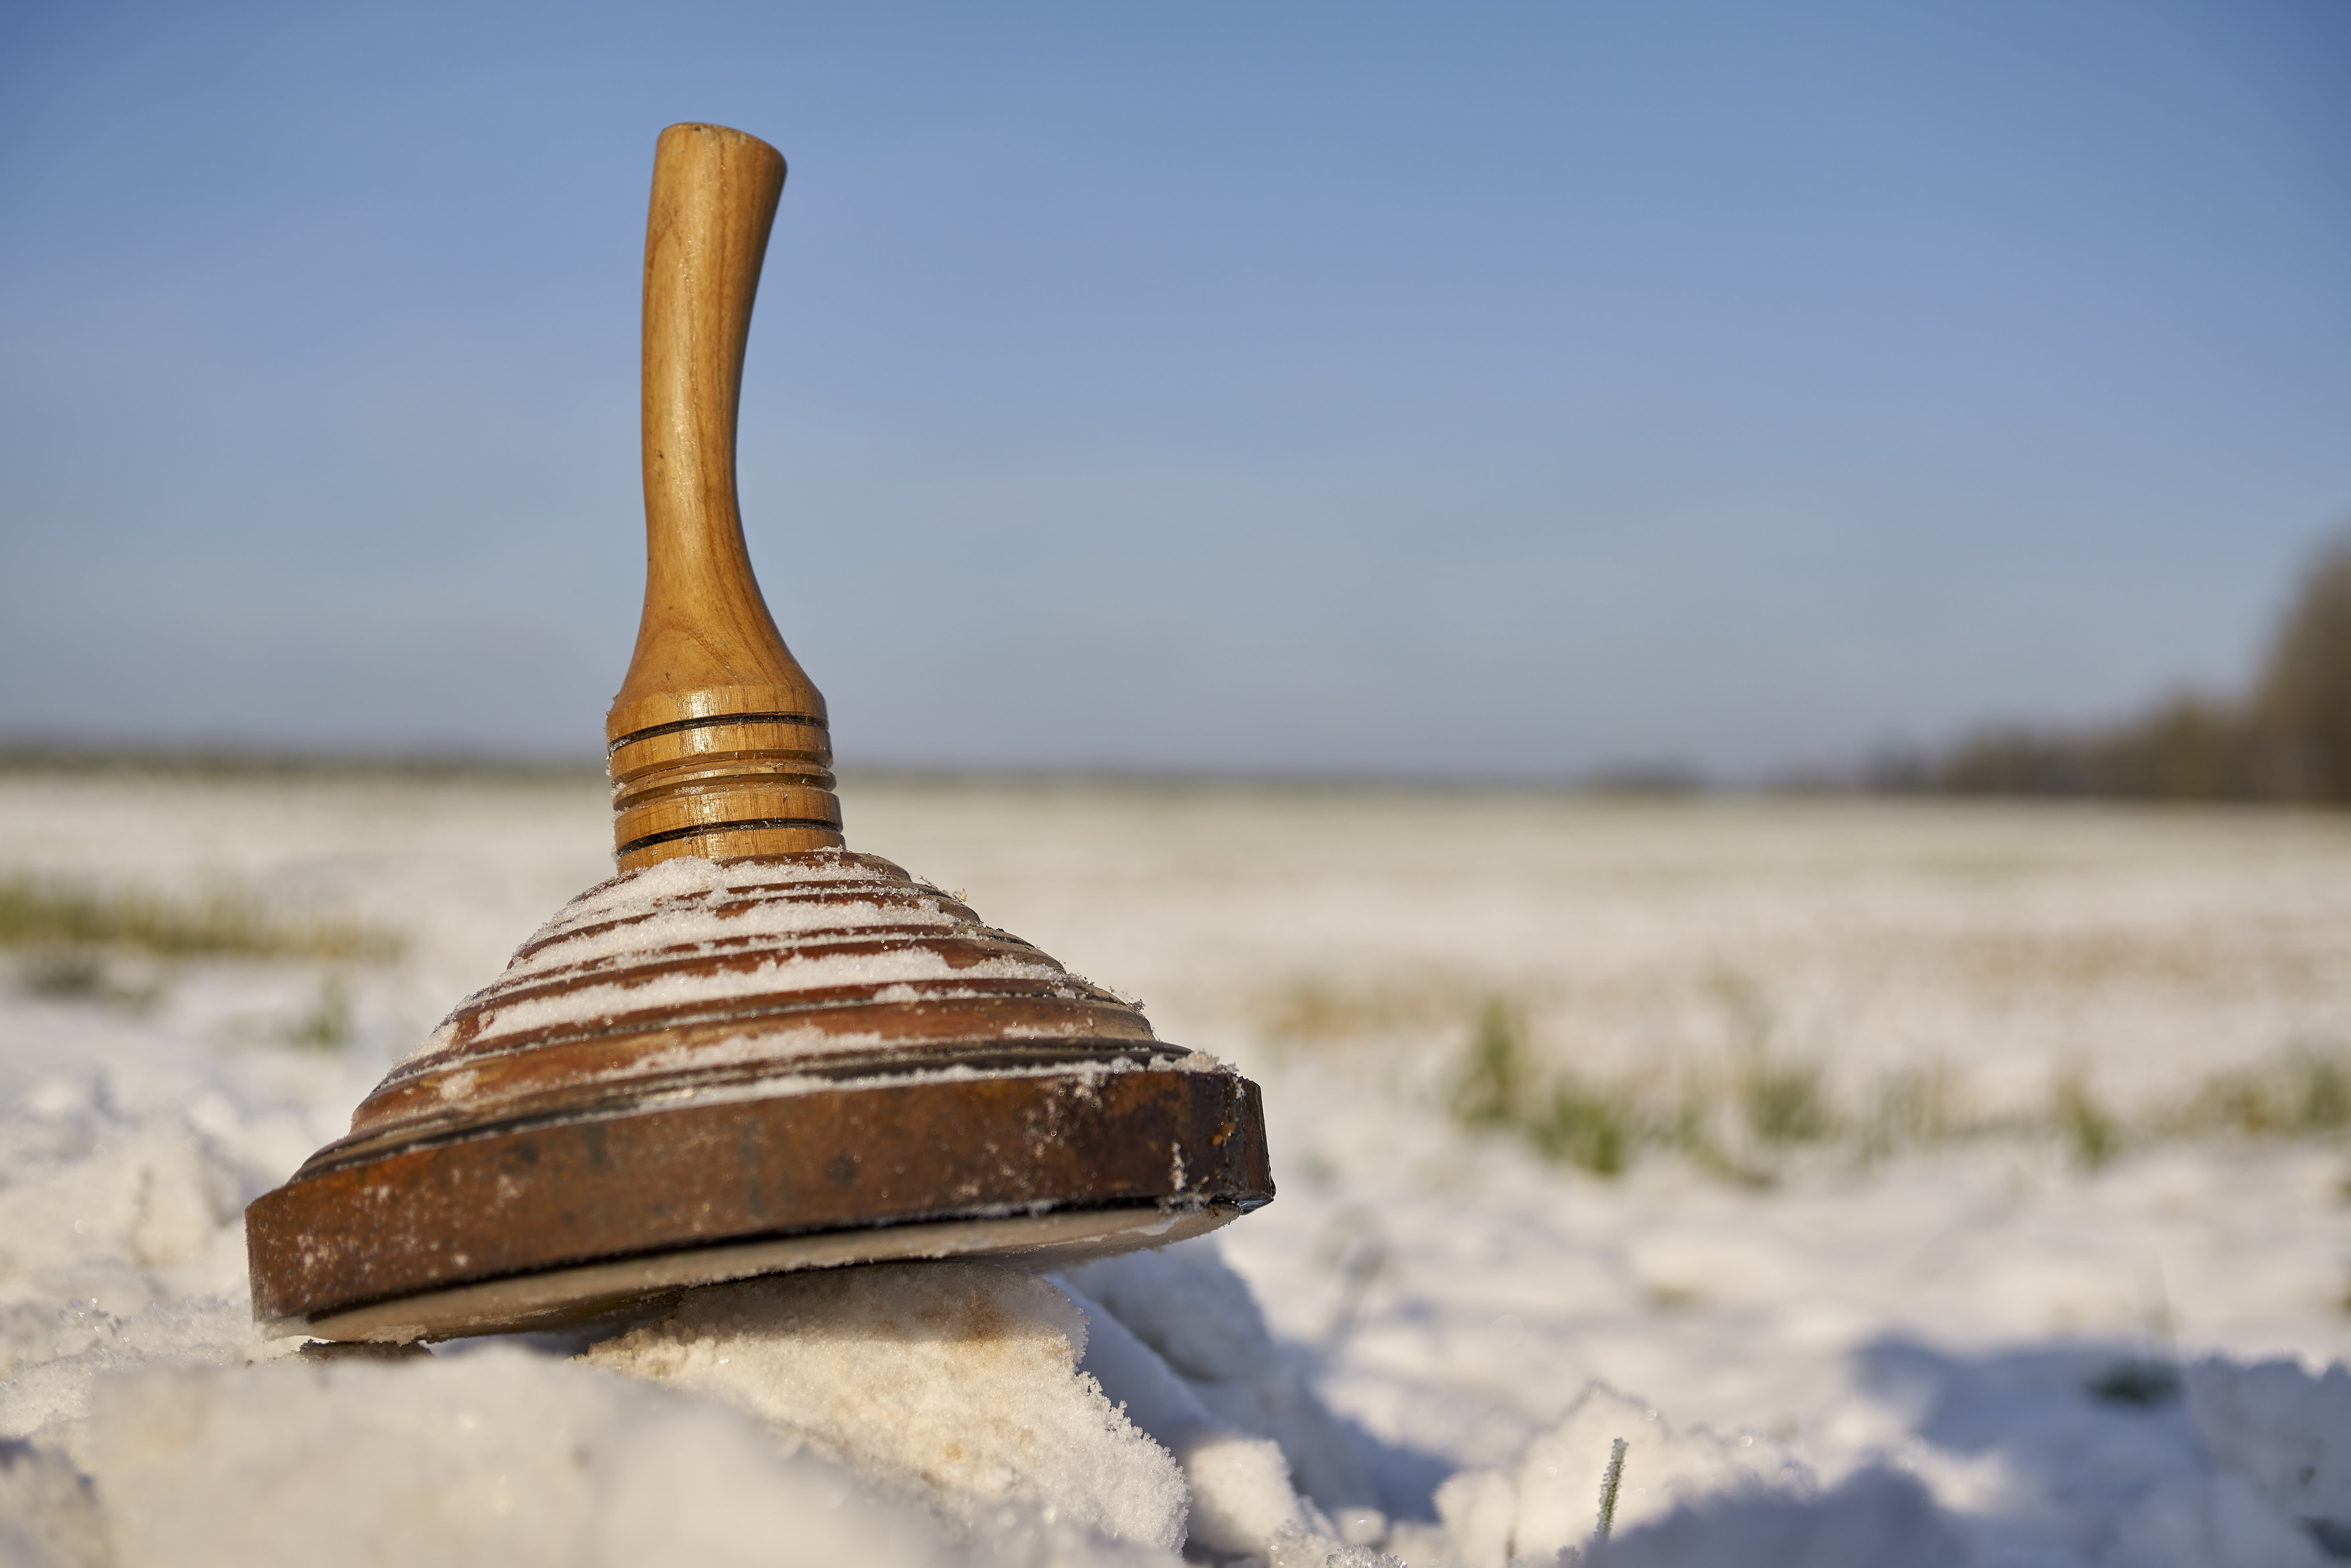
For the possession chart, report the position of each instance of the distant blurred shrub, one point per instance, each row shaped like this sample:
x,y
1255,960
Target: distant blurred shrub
x,y
2302,710
2192,747
2290,739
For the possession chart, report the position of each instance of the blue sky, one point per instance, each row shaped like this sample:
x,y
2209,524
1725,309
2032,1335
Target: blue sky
x,y
1476,390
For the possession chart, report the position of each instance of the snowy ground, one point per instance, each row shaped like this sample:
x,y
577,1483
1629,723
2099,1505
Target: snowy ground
x,y
1982,1198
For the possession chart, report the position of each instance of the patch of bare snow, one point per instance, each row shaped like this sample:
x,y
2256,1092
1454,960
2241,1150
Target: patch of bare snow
x,y
1425,1352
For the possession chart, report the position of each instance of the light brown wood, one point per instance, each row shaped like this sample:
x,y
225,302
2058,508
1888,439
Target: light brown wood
x,y
716,730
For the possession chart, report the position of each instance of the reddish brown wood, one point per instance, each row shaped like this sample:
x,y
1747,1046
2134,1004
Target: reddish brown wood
x,y
537,1195
735,1003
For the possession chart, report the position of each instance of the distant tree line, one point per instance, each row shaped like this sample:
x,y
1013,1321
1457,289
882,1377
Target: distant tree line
x,y
2289,738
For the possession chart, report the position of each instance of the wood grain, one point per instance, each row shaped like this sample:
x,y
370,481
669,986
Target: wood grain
x,y
685,765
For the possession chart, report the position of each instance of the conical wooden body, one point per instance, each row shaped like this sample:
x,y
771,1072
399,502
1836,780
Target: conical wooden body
x,y
699,974
711,1069
753,1050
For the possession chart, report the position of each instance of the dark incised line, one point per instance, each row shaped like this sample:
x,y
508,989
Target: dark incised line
x,y
715,720
676,833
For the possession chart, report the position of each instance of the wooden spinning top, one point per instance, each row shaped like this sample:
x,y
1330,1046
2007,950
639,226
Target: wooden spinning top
x,y
753,1050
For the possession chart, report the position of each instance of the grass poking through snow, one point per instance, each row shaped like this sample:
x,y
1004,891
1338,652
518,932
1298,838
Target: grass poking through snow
x,y
1745,1118
39,914
80,943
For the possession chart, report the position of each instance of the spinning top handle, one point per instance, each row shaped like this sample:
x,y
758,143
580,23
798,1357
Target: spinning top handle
x,y
717,739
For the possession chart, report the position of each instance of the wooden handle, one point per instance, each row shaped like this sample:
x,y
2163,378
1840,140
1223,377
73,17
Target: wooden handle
x,y
718,739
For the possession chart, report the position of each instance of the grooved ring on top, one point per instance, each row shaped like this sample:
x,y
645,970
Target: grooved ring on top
x,y
755,825
709,745
724,843
674,726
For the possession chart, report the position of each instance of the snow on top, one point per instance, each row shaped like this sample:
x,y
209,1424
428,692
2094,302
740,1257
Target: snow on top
x,y
690,901
591,1003
688,907
690,882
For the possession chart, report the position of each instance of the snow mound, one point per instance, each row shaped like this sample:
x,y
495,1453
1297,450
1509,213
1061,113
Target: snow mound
x,y
957,1380
1201,1318
65,1353
1180,1422
49,1515
1241,1497
497,1456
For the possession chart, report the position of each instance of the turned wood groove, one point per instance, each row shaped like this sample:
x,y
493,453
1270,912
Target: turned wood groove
x,y
716,725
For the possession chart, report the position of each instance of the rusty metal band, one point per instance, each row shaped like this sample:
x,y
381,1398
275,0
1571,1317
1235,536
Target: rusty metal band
x,y
518,1201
